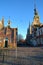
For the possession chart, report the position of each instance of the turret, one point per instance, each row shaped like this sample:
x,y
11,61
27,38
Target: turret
x,y
3,21
9,23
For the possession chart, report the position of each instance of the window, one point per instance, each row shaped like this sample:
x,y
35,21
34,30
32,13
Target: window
x,y
0,39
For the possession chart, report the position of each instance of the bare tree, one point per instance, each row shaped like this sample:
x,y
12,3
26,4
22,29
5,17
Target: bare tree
x,y
20,37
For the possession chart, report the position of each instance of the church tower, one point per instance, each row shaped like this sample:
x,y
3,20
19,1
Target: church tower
x,y
36,20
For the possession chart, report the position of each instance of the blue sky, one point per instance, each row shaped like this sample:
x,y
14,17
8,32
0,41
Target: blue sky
x,y
20,12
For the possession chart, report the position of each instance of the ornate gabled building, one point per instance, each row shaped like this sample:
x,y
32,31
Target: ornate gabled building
x,y
8,35
37,29
34,29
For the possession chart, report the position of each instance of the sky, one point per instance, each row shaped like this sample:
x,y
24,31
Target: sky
x,y
20,13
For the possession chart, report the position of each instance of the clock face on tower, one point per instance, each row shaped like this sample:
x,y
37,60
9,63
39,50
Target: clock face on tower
x,y
1,25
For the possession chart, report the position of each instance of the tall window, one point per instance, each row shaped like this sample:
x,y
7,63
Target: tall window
x,y
0,39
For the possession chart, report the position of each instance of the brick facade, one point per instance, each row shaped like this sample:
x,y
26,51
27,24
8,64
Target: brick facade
x,y
8,36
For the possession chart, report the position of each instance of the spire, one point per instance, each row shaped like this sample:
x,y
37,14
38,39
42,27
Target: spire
x,y
36,19
29,24
3,20
35,10
28,30
29,27
9,22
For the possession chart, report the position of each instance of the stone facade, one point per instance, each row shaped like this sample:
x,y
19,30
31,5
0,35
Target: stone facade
x,y
34,30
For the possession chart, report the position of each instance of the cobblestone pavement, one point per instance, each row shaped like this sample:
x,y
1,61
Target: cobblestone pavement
x,y
22,56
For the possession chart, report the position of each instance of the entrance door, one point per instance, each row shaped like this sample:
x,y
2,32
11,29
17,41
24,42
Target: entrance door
x,y
6,42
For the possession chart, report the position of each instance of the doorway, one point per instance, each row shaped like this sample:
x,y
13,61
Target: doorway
x,y
6,42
